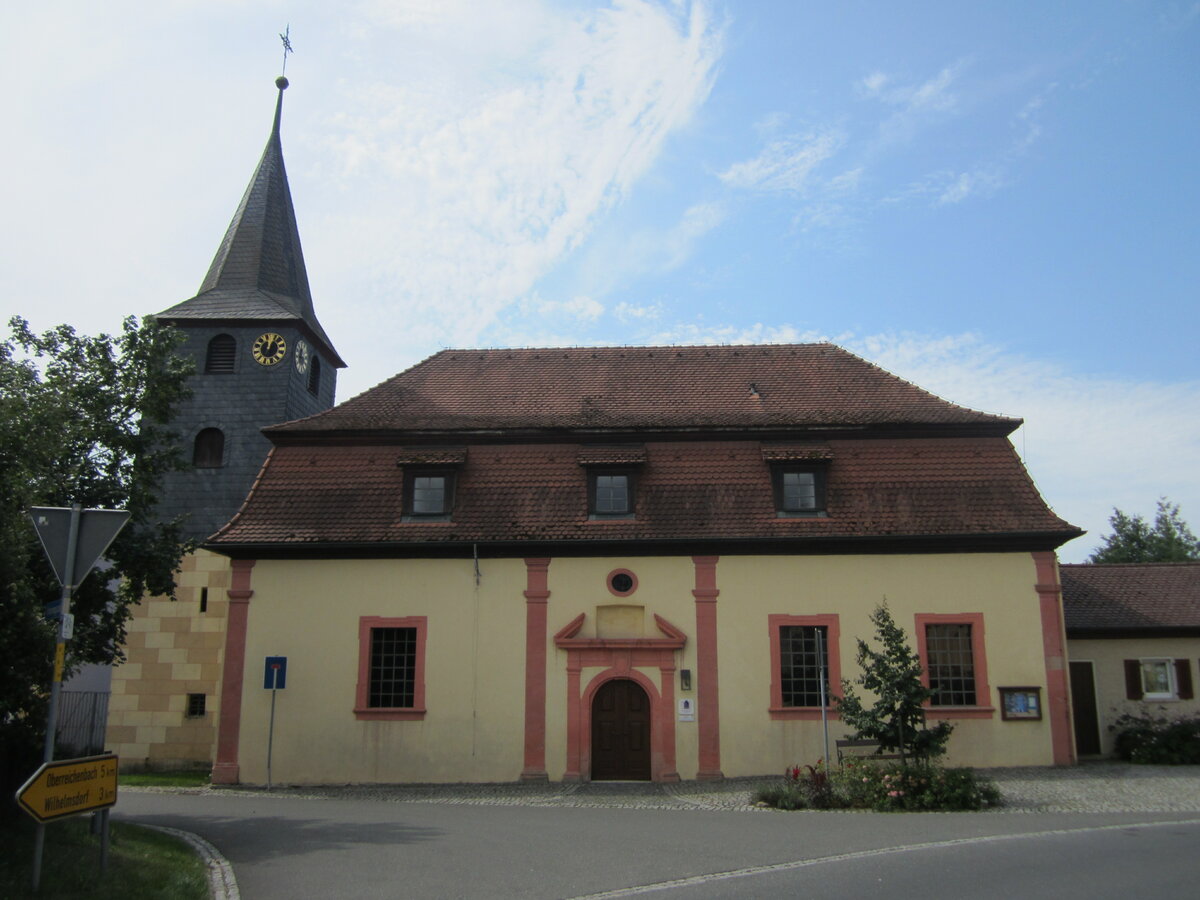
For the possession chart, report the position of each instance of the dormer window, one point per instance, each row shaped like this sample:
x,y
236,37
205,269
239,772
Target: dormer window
x,y
428,495
611,494
799,490
798,476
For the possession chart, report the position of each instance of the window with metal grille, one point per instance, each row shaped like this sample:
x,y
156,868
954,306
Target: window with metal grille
x,y
393,667
208,452
195,705
804,663
314,376
951,664
222,352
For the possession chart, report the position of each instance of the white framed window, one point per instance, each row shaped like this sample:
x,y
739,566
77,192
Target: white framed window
x,y
1158,679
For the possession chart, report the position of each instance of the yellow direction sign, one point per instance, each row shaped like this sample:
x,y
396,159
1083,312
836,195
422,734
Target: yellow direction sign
x,y
69,786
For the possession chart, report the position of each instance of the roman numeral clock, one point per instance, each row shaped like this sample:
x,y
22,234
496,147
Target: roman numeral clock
x,y
269,349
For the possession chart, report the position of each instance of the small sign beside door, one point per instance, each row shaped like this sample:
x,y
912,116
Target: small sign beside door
x,y
687,710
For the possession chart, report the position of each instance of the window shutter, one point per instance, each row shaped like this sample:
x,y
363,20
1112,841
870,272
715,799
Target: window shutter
x,y
1133,679
1183,679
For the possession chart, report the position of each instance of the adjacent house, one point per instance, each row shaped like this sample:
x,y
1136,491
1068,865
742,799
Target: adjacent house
x,y
1133,637
630,563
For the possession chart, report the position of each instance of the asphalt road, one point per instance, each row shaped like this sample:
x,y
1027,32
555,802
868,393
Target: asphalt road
x,y
283,847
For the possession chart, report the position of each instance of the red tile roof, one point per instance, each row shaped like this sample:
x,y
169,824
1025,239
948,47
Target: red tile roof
x,y
1130,597
642,388
326,493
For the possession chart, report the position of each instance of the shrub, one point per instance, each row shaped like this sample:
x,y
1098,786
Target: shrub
x,y
901,788
1158,740
803,787
892,788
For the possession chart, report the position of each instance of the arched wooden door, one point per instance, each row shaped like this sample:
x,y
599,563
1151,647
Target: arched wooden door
x,y
621,732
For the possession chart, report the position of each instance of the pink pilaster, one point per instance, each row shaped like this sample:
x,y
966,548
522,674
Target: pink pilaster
x,y
537,593
225,768
1054,646
708,711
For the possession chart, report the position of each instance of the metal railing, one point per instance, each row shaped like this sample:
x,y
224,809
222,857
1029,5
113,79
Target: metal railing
x,y
82,720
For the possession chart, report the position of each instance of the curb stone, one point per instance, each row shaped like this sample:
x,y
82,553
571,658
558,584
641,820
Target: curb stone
x,y
222,885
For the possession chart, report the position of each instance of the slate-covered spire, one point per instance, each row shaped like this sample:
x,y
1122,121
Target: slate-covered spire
x,y
258,272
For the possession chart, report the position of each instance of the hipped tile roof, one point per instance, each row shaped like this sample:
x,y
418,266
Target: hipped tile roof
x,y
1130,597
643,388
334,493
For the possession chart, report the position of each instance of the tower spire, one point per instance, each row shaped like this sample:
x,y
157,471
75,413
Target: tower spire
x,y
258,271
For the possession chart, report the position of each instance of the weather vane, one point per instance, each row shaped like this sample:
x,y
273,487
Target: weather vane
x,y
287,47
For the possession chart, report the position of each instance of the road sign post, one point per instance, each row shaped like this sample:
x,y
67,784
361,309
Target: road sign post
x,y
66,788
275,679
74,539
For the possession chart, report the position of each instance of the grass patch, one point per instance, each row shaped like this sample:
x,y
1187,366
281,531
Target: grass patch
x,y
181,778
142,864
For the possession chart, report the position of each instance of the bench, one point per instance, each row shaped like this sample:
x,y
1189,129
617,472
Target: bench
x,y
849,748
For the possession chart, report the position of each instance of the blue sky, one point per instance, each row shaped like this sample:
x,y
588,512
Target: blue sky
x,y
997,201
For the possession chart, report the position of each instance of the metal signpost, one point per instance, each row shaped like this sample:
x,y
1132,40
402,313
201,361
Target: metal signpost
x,y
274,679
74,539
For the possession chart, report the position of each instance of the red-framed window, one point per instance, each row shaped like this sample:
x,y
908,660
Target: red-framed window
x,y
799,644
952,651
391,668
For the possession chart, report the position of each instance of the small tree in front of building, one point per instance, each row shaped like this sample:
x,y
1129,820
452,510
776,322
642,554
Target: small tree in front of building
x,y
896,718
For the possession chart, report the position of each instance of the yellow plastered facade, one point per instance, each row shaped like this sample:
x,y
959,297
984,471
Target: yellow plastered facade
x,y
1107,657
473,727
173,649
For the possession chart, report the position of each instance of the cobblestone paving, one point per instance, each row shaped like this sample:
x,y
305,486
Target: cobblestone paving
x,y
1091,787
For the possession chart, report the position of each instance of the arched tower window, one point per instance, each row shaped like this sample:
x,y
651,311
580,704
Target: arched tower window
x,y
209,449
222,351
314,376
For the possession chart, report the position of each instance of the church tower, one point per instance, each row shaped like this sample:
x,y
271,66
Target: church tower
x,y
261,355
261,358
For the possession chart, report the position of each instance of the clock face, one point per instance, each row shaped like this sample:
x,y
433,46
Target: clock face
x,y
269,349
302,355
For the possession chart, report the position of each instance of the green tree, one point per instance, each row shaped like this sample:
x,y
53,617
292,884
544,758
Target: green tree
x,y
1134,540
82,420
896,719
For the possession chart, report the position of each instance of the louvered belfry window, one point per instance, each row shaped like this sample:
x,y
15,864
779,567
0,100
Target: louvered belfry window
x,y
222,351
209,449
314,376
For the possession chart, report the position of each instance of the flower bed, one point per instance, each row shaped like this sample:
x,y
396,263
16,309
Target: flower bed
x,y
884,788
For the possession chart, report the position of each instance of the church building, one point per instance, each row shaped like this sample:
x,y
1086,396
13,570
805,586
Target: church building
x,y
638,563
632,563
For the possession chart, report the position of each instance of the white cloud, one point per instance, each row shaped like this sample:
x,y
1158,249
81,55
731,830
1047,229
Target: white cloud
x,y
1090,443
784,164
466,194
629,312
